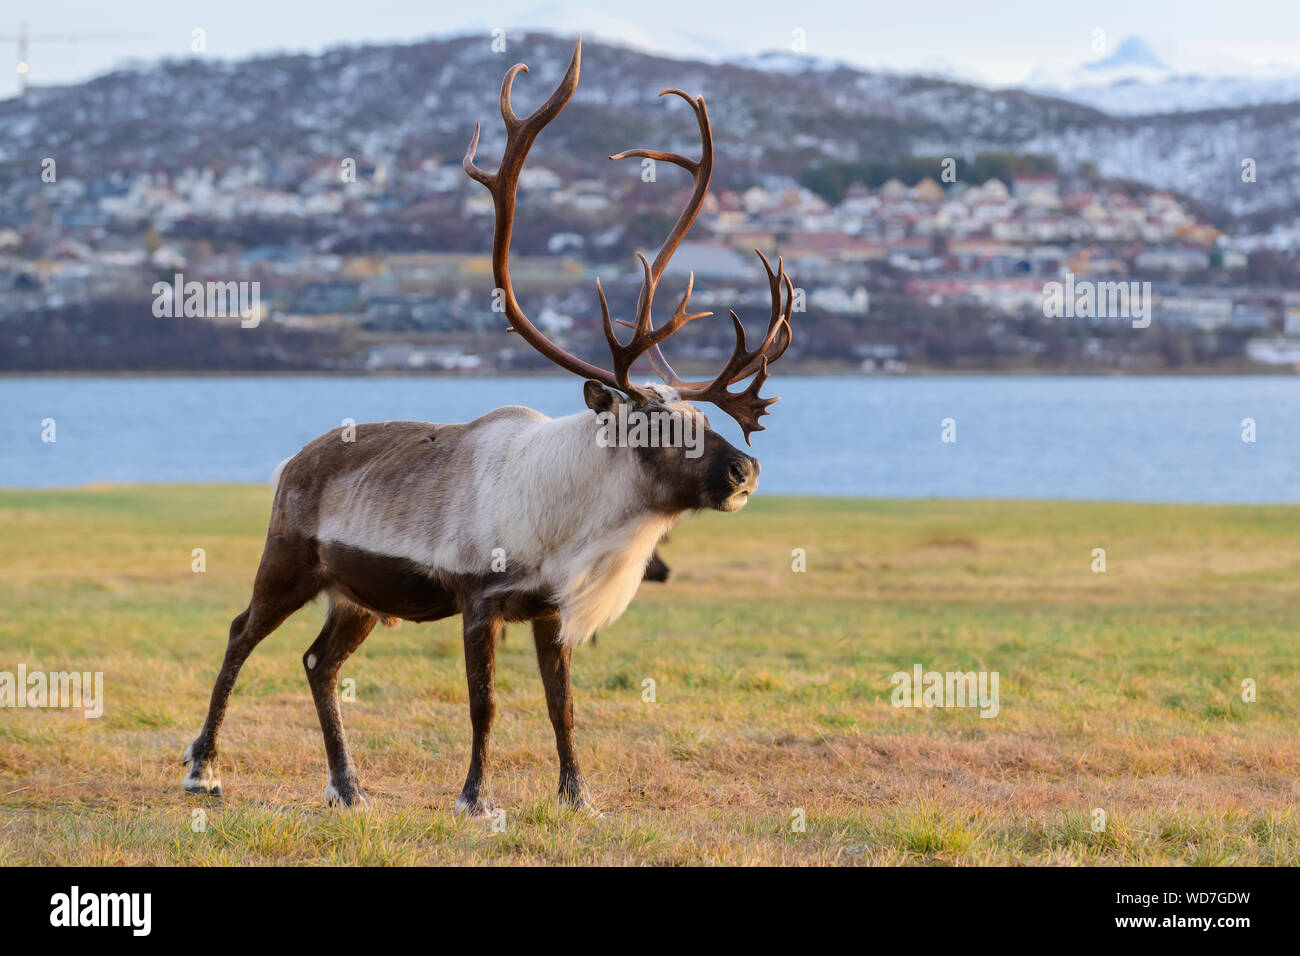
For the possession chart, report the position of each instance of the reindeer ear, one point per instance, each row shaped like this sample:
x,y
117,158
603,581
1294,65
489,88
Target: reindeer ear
x,y
601,398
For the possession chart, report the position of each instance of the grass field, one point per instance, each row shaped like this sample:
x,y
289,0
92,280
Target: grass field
x,y
1120,691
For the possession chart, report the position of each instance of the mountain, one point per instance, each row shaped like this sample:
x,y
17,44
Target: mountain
x,y
1134,81
1189,93
403,104
1131,55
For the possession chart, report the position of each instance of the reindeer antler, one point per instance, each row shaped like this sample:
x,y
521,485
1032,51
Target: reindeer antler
x,y
745,406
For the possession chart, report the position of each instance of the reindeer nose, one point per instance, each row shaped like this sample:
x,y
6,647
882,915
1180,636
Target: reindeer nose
x,y
742,470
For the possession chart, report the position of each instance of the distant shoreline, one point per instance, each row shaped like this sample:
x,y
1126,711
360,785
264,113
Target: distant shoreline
x,y
1187,372
781,499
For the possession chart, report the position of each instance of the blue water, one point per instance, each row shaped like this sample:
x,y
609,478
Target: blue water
x,y
1136,439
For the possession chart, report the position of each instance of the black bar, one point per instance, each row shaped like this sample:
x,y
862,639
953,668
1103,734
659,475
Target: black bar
x,y
205,907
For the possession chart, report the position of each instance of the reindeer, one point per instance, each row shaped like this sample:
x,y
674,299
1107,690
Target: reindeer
x,y
511,517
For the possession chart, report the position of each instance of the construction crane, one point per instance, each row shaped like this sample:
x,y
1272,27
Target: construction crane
x,y
23,39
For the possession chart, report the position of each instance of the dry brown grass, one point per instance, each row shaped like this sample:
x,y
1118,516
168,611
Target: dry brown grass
x,y
1119,691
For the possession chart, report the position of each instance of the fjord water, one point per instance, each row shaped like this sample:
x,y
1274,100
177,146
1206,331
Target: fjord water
x,y
1168,438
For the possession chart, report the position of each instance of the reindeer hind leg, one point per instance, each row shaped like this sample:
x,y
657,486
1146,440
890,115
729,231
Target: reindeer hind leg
x,y
287,578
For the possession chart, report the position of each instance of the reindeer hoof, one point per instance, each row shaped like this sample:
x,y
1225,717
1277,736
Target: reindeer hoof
x,y
575,796
474,807
346,794
202,777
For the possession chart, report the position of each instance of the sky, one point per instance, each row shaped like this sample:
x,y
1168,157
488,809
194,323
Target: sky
x,y
999,42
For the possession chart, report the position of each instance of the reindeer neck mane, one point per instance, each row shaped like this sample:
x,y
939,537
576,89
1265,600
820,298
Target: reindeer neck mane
x,y
594,535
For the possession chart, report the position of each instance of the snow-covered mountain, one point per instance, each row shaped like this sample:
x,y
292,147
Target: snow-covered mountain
x,y
1134,81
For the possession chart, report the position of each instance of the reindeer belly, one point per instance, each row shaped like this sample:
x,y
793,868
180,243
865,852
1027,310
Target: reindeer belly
x,y
399,587
390,586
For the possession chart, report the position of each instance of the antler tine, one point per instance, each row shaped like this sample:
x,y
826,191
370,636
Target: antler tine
x,y
746,406
646,337
554,103
701,171
478,175
778,335
739,352
649,285
604,318
775,341
507,85
677,159
531,125
680,316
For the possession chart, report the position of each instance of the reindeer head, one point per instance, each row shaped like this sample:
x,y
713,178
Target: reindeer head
x,y
717,475
685,463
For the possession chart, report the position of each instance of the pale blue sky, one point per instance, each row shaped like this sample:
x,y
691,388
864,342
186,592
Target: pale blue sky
x,y
1000,41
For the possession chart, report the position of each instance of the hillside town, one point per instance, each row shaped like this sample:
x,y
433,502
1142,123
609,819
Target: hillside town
x,y
374,266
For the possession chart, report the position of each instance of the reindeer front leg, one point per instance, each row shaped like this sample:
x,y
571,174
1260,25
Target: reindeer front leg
x,y
553,661
481,632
